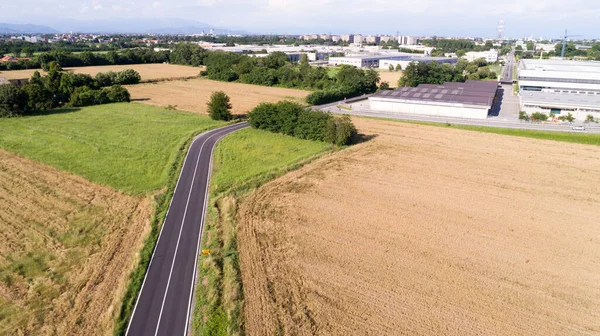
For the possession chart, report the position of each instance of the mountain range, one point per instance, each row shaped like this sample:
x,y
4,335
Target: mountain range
x,y
139,26
11,28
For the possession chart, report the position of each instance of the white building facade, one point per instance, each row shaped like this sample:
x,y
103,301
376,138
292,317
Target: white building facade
x,y
559,87
490,56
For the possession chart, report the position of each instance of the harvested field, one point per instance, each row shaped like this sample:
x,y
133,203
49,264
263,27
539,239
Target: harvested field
x,y
192,95
67,249
427,230
147,71
391,77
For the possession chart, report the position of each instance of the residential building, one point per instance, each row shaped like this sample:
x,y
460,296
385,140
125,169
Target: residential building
x,y
490,56
373,39
359,38
387,39
407,40
347,38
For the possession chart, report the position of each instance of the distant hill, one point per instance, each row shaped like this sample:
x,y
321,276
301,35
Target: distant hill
x,y
12,28
139,26
107,26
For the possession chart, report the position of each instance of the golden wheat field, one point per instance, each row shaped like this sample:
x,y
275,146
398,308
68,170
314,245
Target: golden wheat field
x,y
147,71
192,95
67,249
391,77
427,231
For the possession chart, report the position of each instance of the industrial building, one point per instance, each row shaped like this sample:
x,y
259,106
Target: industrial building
x,y
471,99
370,60
405,61
558,87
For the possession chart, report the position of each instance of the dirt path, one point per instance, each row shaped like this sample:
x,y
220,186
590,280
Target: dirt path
x,y
427,231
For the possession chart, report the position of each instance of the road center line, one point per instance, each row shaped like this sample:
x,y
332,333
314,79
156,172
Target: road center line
x,y
180,231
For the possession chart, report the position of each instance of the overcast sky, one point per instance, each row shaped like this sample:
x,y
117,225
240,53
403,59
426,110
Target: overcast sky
x,y
546,18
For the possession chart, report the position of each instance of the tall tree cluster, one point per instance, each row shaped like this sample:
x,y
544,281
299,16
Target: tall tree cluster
x,y
59,88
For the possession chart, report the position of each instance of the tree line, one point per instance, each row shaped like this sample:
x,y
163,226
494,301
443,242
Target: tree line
x,y
59,88
299,121
276,70
88,58
23,48
435,73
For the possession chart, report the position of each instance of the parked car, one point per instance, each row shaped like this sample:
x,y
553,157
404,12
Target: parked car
x,y
578,128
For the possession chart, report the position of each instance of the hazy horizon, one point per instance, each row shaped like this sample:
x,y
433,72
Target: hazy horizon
x,y
522,18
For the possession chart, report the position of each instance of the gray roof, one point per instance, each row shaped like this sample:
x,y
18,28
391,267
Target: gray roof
x,y
559,98
480,93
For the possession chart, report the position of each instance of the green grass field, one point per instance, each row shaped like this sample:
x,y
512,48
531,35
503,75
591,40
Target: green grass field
x,y
250,156
129,147
580,138
243,160
332,72
496,68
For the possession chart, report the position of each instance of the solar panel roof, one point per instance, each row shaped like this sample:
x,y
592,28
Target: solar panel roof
x,y
470,92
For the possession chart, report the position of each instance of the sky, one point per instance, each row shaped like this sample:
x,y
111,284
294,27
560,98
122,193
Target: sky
x,y
523,18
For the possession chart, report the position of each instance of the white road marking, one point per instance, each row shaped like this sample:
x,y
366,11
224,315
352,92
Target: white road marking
x,y
180,231
164,222
187,319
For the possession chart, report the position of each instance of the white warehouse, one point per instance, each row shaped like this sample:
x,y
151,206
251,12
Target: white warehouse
x,y
472,99
385,64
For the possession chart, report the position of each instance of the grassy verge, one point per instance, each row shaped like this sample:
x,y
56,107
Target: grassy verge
x,y
580,138
128,147
136,278
243,161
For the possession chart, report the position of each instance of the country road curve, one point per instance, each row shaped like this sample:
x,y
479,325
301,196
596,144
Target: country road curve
x,y
164,304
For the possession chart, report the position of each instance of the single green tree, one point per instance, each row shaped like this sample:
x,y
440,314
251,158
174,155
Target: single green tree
x,y
384,86
398,67
219,107
590,119
304,61
391,67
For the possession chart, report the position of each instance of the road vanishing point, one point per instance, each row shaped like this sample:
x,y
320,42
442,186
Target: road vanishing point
x,y
164,304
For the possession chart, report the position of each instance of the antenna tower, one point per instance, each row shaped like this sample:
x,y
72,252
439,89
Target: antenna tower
x,y
500,29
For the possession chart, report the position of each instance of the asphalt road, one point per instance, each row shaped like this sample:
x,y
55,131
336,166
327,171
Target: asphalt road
x,y
507,75
362,109
164,304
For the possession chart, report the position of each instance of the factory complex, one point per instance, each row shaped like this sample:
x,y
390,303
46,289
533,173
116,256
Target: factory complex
x,y
559,87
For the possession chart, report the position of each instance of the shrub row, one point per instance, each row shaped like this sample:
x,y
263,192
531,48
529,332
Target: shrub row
x,y
296,120
84,96
125,77
329,96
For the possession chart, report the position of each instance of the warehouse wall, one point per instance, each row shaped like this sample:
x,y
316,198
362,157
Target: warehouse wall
x,y
431,110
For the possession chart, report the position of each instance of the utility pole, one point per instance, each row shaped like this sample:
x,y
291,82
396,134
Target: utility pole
x,y
564,45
